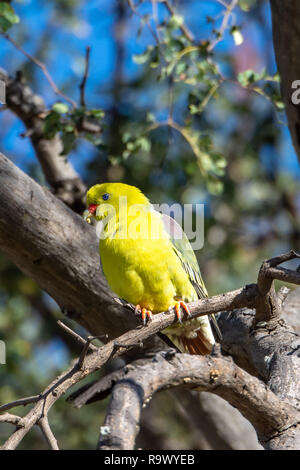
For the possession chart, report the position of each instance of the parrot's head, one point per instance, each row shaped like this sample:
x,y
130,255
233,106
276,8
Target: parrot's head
x,y
108,199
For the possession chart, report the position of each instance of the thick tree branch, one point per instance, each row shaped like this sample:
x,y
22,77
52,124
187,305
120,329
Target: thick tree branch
x,y
267,303
273,419
272,355
214,423
286,39
223,425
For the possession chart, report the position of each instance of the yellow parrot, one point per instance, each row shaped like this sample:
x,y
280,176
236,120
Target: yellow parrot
x,y
145,265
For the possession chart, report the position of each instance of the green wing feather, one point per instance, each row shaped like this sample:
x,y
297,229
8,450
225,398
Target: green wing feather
x,y
186,254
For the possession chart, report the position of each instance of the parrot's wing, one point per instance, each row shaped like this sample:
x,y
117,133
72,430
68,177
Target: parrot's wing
x,y
186,254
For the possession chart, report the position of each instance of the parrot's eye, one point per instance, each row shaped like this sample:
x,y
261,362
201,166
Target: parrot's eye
x,y
105,197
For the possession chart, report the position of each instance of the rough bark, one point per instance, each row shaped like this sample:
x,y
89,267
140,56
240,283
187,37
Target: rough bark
x,y
214,423
271,355
276,422
286,39
291,310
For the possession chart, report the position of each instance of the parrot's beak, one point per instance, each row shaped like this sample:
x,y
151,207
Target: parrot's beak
x,y
89,213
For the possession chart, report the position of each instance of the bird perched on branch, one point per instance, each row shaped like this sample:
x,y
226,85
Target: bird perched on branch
x,y
146,265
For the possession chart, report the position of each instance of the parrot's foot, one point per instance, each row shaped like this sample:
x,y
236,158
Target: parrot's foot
x,y
146,315
181,305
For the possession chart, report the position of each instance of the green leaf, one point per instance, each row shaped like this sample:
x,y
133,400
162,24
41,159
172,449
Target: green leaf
x,y
51,125
7,16
94,139
126,137
246,5
144,144
68,128
247,77
4,24
144,57
68,140
150,117
279,104
175,21
193,109
126,154
97,113
130,146
60,108
214,185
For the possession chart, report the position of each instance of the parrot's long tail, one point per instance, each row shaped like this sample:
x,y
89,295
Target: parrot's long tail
x,y
192,337
199,345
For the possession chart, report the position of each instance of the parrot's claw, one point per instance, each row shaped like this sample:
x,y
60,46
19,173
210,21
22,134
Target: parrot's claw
x,y
146,315
181,305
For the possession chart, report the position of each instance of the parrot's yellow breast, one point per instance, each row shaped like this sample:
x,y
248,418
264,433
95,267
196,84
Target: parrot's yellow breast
x,y
146,272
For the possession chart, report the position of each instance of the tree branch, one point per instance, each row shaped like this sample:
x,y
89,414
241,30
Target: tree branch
x,y
85,76
227,15
46,430
20,402
286,39
273,419
212,420
12,419
267,304
184,29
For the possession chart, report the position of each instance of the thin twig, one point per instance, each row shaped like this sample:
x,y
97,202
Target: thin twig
x,y
87,347
75,336
184,29
145,20
84,352
43,67
224,25
20,402
118,345
85,76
